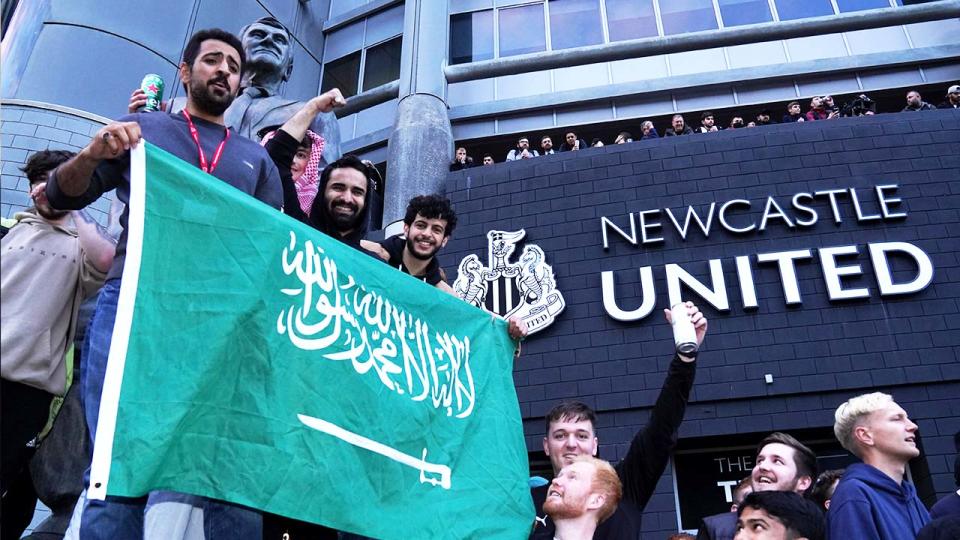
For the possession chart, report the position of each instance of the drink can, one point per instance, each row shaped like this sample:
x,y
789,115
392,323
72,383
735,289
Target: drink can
x,y
684,334
152,86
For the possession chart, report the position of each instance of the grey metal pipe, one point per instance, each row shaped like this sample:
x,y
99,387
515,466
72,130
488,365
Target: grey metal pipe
x,y
374,96
638,48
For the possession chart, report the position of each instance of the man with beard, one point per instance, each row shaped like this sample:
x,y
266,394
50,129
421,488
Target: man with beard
x,y
52,261
583,495
916,103
873,498
211,70
783,464
427,226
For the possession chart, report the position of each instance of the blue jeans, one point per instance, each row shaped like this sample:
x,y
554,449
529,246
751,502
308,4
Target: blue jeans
x,y
170,513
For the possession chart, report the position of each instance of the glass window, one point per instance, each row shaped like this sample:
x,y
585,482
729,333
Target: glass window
x,y
631,19
383,64
575,23
860,5
471,37
741,12
522,30
799,9
680,16
343,74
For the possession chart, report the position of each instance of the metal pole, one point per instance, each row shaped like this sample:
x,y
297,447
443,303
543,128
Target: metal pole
x,y
421,143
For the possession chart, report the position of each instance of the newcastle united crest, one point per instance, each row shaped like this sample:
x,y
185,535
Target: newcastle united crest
x,y
524,289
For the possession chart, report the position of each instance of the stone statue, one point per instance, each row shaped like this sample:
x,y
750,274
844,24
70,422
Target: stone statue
x,y
268,46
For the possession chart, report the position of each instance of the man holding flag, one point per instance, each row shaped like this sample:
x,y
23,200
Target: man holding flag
x,y
257,361
210,71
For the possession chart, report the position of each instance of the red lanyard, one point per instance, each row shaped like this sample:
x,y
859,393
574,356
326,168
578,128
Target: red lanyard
x,y
196,139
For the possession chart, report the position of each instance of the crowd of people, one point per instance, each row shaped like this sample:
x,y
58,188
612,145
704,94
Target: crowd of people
x,y
55,256
820,108
587,498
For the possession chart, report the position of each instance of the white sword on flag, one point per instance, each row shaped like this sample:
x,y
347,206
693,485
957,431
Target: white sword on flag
x,y
421,464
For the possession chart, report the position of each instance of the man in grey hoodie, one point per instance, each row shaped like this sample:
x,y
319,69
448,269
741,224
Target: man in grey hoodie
x,y
52,261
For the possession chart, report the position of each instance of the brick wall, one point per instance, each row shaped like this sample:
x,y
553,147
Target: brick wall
x,y
26,129
819,353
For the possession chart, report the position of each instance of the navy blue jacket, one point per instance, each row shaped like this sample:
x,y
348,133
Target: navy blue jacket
x,y
870,504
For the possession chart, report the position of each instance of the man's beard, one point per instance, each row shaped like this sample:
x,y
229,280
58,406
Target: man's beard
x,y
564,509
343,222
411,247
205,100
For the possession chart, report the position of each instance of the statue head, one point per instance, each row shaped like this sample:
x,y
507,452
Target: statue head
x,y
268,46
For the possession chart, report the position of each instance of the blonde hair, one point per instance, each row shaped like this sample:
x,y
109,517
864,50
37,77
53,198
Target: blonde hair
x,y
851,412
606,483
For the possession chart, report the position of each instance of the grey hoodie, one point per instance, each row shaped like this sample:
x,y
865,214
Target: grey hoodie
x,y
46,275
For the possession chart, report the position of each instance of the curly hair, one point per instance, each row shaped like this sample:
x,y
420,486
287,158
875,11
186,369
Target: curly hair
x,y
431,207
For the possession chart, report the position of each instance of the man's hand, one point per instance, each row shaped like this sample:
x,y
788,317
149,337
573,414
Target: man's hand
x,y
699,324
517,328
137,99
112,140
328,100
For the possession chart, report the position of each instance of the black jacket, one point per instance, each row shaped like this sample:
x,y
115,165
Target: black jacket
x,y
457,166
719,527
640,470
394,246
687,130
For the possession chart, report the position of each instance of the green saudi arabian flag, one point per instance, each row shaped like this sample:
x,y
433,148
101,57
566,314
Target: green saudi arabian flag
x,y
258,361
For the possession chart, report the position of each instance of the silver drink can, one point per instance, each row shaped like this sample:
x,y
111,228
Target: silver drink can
x,y
684,334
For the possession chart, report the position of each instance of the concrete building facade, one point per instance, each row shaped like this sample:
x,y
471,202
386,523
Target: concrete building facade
x,y
63,77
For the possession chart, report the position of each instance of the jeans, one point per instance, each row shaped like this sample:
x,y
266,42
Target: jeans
x,y
162,514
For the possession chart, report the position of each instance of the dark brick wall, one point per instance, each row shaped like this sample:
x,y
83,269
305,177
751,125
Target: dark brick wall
x,y
819,353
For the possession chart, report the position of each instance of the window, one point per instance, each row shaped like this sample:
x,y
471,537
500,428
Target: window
x,y
471,37
382,64
575,23
631,19
741,12
847,6
364,53
522,30
343,73
681,16
800,9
